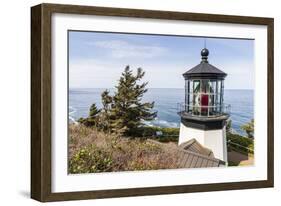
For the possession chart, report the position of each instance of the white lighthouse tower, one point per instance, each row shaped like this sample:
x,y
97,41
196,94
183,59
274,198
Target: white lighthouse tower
x,y
204,114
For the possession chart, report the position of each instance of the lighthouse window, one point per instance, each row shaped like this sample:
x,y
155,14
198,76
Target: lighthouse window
x,y
203,97
196,97
196,86
189,96
205,88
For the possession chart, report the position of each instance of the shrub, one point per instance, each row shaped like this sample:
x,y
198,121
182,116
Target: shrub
x,y
92,119
249,128
232,164
91,150
240,140
90,159
168,134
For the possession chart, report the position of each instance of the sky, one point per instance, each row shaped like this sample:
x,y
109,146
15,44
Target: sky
x,y
97,59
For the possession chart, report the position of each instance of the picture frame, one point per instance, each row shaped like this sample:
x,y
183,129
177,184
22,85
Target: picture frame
x,y
41,101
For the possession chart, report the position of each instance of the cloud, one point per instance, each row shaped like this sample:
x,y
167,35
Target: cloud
x,y
124,49
93,73
90,73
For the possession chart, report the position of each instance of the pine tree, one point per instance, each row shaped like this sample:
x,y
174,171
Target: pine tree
x,y
94,111
127,111
124,112
92,119
105,116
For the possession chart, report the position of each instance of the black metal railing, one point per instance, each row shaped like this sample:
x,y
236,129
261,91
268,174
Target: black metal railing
x,y
206,111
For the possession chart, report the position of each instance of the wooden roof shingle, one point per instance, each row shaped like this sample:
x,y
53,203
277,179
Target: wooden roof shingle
x,y
197,156
192,154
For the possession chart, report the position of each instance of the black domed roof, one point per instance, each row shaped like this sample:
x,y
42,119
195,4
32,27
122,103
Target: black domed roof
x,y
204,69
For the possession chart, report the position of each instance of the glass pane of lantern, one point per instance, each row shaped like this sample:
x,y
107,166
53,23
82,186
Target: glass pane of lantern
x,y
222,94
219,86
213,86
219,96
203,100
190,101
196,97
196,86
191,87
213,97
187,86
216,93
190,95
186,94
205,86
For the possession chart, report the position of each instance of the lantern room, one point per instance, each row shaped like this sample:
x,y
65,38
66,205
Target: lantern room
x,y
204,90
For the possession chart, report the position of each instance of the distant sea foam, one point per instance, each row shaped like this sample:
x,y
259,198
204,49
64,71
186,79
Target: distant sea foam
x,y
166,100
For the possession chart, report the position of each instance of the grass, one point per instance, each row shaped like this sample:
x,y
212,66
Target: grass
x,y
94,151
165,135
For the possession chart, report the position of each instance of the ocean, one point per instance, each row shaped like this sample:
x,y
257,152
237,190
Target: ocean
x,y
166,100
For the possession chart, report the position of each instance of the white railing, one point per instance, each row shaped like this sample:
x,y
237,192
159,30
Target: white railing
x,y
206,111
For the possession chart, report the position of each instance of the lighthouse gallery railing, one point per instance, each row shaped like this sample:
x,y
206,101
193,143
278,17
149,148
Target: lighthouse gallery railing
x,y
204,111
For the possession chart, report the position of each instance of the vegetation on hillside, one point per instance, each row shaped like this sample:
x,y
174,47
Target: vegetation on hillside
x,y
240,143
91,150
249,128
162,134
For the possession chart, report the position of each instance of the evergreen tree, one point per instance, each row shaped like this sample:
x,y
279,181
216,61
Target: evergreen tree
x,y
94,111
127,109
105,116
92,119
124,112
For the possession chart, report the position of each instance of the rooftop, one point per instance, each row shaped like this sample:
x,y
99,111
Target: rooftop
x,y
204,69
193,155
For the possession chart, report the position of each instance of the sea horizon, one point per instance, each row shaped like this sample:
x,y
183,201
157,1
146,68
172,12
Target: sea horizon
x,y
166,101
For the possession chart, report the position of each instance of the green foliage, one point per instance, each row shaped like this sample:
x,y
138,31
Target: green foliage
x,y
127,109
94,111
249,128
124,111
96,151
93,118
240,140
170,131
105,115
166,134
232,164
90,159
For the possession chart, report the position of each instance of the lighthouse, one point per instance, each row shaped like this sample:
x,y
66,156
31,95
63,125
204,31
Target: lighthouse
x,y
204,114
